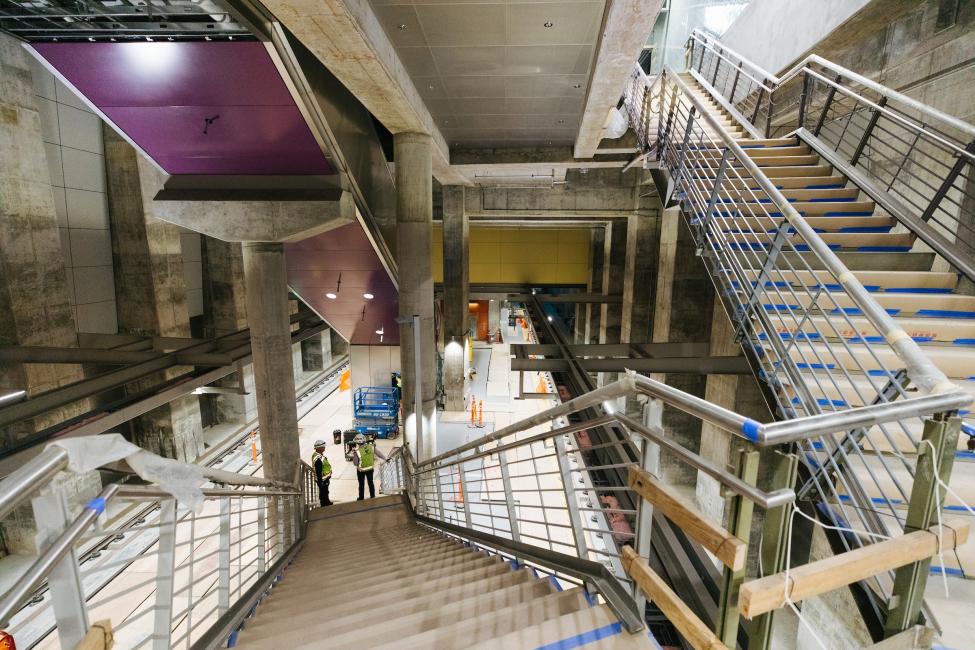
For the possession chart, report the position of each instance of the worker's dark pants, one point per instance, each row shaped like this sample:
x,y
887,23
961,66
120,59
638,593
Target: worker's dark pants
x,y
366,476
323,492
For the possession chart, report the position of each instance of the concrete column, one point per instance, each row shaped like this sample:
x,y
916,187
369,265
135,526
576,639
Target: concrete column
x,y
316,352
614,273
456,274
597,242
638,280
494,315
225,312
150,292
267,306
35,308
414,223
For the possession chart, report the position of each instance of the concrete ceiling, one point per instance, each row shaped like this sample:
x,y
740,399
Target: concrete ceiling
x,y
493,73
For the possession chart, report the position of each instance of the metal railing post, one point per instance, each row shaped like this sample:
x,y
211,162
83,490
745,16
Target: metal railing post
x,y
223,557
682,156
650,462
575,519
938,444
740,525
803,97
439,491
261,542
465,494
947,183
773,547
509,498
829,102
874,118
165,569
66,589
708,216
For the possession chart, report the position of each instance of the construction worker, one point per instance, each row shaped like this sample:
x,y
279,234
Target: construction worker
x,y
323,472
364,459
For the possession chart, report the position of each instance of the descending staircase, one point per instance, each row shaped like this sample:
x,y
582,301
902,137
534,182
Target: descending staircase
x,y
882,255
368,576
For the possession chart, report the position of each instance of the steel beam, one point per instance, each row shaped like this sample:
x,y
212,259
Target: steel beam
x,y
614,349
694,365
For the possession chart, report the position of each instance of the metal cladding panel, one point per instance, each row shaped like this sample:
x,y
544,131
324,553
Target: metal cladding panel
x,y
342,261
195,107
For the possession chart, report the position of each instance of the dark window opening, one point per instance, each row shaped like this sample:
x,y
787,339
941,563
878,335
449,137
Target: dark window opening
x,y
947,14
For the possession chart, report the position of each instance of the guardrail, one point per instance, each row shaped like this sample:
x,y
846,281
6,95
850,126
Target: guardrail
x,y
799,313
917,162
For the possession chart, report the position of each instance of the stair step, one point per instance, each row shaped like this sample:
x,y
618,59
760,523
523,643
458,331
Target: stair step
x,y
775,173
590,628
377,571
955,362
805,208
899,281
925,305
768,142
829,181
872,242
413,617
363,564
761,223
287,600
391,541
857,329
464,634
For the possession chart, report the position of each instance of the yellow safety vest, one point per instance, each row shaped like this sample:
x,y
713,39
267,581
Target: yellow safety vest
x,y
326,466
367,457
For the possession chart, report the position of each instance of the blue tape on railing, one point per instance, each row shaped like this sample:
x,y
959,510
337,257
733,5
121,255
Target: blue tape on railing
x,y
585,638
968,429
97,504
751,428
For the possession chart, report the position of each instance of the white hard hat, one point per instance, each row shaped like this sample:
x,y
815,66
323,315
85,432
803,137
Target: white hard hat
x,y
359,439
319,443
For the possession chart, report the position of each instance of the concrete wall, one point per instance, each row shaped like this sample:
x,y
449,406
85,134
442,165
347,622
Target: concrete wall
x,y
192,271
76,162
372,364
774,33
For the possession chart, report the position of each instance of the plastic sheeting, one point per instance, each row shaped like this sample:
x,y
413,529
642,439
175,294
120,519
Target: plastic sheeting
x,y
616,125
182,480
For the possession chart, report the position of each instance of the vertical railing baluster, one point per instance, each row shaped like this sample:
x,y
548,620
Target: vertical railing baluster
x,y
165,568
223,557
571,503
509,499
868,131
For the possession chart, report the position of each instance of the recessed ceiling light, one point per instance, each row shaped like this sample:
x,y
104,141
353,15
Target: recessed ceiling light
x,y
401,27
549,24
91,40
331,296
368,296
430,87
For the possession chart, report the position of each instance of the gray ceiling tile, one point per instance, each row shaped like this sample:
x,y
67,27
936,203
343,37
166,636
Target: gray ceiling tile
x,y
430,87
478,106
439,106
474,86
401,25
572,22
467,24
571,104
532,106
546,59
418,61
545,86
551,121
467,60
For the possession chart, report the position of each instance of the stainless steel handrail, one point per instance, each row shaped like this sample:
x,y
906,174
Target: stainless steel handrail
x,y
923,372
27,479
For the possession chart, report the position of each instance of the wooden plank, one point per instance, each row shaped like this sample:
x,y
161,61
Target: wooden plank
x,y
765,594
99,637
729,549
687,623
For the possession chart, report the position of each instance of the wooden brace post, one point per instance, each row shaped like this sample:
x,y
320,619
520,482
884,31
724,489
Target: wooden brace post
x,y
729,549
765,594
677,612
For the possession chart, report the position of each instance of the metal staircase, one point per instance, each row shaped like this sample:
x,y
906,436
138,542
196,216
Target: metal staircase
x,y
834,217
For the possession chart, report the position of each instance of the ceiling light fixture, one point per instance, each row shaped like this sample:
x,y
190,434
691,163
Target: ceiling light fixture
x,y
368,296
549,24
91,40
401,27
577,85
331,296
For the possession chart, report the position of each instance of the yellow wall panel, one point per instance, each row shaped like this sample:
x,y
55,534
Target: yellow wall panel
x,y
521,255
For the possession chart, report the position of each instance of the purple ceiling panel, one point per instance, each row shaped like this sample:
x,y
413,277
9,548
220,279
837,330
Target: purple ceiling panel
x,y
343,262
195,107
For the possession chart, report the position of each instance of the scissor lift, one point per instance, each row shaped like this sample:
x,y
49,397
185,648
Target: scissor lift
x,y
376,411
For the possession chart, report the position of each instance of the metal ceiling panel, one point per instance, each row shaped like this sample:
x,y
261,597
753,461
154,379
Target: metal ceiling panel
x,y
497,72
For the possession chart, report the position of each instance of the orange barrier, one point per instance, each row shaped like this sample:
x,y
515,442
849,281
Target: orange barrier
x,y
480,417
345,380
253,448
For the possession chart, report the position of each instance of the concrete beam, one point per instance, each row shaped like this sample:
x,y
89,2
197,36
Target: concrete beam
x,y
626,28
347,37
